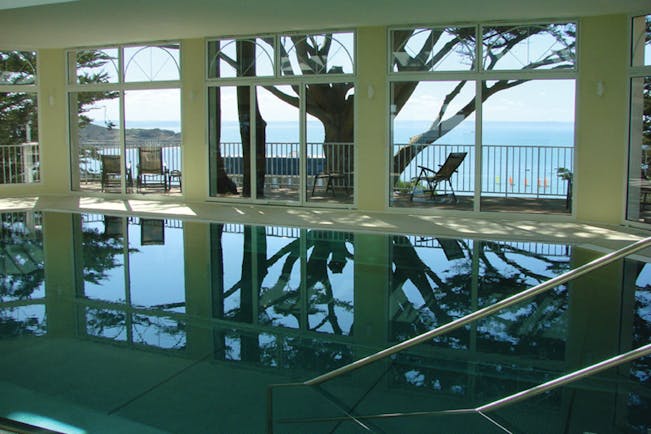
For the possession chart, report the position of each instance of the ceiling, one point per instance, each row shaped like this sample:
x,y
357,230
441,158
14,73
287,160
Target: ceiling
x,y
96,22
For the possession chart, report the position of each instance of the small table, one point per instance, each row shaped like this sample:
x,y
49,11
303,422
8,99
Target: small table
x,y
174,175
331,178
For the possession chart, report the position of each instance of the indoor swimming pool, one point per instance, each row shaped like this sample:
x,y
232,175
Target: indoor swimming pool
x,y
132,324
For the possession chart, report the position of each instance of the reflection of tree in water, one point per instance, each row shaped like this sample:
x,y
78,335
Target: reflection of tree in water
x,y
504,270
22,275
327,255
100,253
21,253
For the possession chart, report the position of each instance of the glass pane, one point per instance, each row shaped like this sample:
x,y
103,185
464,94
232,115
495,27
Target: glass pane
x,y
17,67
95,141
278,143
241,58
639,173
280,293
434,49
433,144
641,41
230,141
326,53
330,143
528,146
19,153
102,258
540,46
153,140
152,63
156,264
22,264
95,66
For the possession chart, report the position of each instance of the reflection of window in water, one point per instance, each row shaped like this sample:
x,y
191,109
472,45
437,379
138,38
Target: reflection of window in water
x,y
152,252
22,274
437,280
274,270
22,268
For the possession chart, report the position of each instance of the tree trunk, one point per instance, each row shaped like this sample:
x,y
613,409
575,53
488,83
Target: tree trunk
x,y
246,68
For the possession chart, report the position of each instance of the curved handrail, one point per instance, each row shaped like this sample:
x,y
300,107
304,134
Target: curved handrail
x,y
481,313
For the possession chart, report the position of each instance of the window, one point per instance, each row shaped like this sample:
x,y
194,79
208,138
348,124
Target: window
x,y
131,283
639,174
495,135
125,119
281,131
19,148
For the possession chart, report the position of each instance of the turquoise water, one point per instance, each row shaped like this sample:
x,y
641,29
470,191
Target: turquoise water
x,y
114,324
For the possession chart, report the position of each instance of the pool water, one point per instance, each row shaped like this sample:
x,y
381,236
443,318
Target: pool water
x,y
132,324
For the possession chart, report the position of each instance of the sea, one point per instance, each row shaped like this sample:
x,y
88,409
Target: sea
x,y
493,132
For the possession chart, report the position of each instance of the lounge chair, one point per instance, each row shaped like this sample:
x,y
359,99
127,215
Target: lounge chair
x,y
433,178
111,173
151,169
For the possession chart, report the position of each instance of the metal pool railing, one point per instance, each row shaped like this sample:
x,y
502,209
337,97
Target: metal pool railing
x,y
507,170
19,164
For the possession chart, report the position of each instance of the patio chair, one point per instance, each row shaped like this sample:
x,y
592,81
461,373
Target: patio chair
x,y
432,178
152,172
111,173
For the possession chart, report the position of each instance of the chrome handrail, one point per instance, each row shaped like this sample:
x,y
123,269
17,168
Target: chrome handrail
x,y
568,378
482,313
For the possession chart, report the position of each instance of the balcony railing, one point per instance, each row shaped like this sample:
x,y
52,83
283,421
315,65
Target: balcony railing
x,y
19,164
524,171
282,162
507,170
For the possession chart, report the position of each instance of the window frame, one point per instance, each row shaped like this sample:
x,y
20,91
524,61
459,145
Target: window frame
x,y
477,75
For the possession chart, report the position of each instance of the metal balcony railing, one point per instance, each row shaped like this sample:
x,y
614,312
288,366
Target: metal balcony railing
x,y
19,164
525,171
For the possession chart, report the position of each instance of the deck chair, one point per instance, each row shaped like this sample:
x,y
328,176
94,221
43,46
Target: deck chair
x,y
151,169
111,173
433,178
